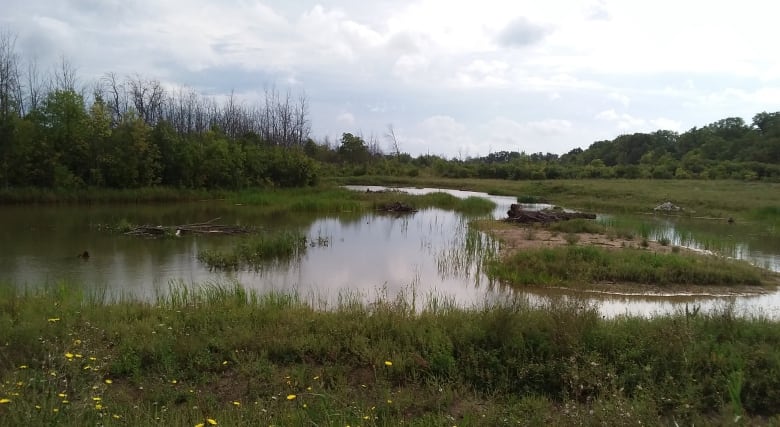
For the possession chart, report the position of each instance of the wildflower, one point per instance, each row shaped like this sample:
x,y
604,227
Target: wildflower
x,y
236,403
388,363
69,355
305,406
316,377
5,400
173,381
97,399
37,406
55,410
98,406
61,395
77,342
365,417
308,388
116,416
389,401
200,425
23,367
65,402
291,397
108,381
211,421
224,362
53,319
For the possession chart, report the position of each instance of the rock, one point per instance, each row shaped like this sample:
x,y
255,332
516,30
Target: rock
x,y
667,207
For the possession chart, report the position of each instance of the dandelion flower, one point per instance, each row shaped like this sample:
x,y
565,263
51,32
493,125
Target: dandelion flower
x,y
211,421
69,355
291,397
108,381
200,425
53,319
5,400
236,403
388,363
97,399
116,416
61,395
98,406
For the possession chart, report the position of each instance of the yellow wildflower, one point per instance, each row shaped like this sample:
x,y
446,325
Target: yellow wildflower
x,y
388,363
173,381
108,381
200,425
291,397
116,416
5,400
237,403
98,406
69,355
211,421
97,399
53,319
61,395
23,367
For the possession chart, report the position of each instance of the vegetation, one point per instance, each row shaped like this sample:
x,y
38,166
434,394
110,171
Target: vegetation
x,y
579,266
224,354
256,251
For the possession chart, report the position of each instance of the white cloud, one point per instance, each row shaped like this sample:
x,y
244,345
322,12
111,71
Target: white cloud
x,y
601,67
346,119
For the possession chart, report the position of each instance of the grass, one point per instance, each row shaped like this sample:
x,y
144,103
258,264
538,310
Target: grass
x,y
222,353
578,266
104,195
759,201
255,251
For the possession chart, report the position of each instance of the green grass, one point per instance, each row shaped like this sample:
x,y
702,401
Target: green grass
x,y
705,198
256,251
224,353
103,195
579,266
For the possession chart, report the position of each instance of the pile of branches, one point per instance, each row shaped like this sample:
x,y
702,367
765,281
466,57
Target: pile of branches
x,y
207,227
516,213
397,207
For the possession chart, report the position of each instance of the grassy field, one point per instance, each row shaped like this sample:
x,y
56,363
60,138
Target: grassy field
x,y
222,354
720,199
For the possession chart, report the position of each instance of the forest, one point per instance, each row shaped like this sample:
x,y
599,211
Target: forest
x,y
131,132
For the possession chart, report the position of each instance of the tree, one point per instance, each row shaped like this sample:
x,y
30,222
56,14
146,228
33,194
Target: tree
x,y
353,149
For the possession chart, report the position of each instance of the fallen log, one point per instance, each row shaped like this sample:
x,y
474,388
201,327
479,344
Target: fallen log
x,y
397,207
516,213
207,227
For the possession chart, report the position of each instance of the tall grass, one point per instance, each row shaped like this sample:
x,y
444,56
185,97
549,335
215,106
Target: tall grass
x,y
257,251
583,265
224,353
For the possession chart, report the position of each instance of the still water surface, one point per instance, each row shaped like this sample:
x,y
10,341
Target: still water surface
x,y
429,253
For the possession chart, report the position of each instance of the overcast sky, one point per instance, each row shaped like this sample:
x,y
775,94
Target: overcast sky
x,y
453,78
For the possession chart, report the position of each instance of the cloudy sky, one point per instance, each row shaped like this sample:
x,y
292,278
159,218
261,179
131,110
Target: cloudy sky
x,y
453,78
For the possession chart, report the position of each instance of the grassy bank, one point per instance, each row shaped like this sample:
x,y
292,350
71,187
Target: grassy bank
x,y
580,266
220,353
103,195
707,198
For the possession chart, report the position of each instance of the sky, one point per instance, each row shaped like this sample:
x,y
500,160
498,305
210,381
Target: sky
x,y
452,78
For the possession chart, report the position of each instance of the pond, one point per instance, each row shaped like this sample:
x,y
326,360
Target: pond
x,y
428,254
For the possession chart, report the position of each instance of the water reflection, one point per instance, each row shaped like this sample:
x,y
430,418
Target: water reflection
x,y
430,253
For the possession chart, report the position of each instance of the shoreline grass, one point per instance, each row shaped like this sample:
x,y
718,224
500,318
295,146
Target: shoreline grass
x,y
223,353
580,266
255,251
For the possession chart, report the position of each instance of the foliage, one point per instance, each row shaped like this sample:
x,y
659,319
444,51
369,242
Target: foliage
x,y
223,353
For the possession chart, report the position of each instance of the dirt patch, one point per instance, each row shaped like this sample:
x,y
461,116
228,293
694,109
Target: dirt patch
x,y
516,238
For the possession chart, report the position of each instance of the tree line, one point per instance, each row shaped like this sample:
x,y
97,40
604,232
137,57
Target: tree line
x,y
131,131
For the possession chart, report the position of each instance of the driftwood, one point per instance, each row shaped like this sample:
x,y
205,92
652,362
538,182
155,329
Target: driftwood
x,y
516,213
207,227
397,207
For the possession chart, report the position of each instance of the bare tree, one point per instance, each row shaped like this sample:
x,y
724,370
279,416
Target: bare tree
x,y
10,90
395,147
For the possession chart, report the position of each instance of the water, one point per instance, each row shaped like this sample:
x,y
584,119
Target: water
x,y
429,253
